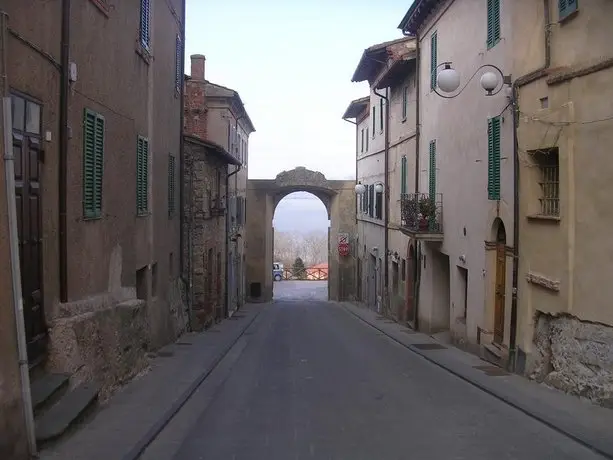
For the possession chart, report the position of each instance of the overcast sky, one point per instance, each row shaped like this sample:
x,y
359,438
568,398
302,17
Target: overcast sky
x,y
291,62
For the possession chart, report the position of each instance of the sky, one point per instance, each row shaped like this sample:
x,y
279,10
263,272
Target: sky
x,y
292,63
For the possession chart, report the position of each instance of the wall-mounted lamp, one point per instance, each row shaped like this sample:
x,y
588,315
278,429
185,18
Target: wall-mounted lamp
x,y
379,187
448,80
360,188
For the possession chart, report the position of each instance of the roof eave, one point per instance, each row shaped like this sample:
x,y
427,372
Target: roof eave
x,y
216,149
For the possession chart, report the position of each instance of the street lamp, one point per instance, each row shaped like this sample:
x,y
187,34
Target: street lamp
x,y
448,80
360,188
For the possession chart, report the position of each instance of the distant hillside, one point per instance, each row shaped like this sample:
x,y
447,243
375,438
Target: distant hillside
x,y
300,212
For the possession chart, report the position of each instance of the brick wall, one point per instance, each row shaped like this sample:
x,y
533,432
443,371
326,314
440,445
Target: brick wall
x,y
195,99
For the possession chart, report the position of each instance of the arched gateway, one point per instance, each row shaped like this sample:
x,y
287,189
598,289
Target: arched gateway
x,y
263,195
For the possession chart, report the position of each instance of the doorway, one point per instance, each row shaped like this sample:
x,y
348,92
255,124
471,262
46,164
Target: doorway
x,y
500,287
27,151
411,280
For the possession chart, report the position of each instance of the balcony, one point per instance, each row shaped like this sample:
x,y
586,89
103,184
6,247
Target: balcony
x,y
422,216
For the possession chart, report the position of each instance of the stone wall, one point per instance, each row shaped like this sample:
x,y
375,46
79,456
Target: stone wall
x,y
574,356
207,231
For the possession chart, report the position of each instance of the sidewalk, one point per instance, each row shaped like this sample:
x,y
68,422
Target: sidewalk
x,y
134,415
588,424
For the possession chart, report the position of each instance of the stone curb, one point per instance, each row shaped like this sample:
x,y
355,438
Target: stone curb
x,y
600,444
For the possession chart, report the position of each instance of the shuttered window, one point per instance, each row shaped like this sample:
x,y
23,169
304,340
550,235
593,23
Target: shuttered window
x,y
367,139
403,175
433,59
379,205
381,114
405,102
145,23
566,7
374,120
171,185
493,158
93,164
362,148
432,171
178,64
493,22
371,200
142,176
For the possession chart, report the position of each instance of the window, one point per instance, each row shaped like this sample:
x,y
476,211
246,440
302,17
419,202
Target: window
x,y
493,158
371,200
493,22
145,23
171,185
374,121
379,205
403,175
93,164
365,205
433,59
367,139
142,176
548,163
381,114
405,102
567,7
404,269
395,277
432,171
362,149
178,64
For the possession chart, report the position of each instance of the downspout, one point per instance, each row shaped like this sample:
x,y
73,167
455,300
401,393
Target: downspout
x,y
387,201
182,145
227,290
524,80
417,261
9,169
63,153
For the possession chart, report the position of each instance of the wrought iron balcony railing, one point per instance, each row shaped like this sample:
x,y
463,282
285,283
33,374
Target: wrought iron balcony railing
x,y
422,214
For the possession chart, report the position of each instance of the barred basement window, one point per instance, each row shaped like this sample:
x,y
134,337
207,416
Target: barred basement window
x,y
548,163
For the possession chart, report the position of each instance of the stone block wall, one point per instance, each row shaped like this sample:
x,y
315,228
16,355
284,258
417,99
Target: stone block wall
x,y
574,356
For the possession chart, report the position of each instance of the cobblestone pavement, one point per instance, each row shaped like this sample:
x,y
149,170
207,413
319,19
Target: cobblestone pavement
x,y
308,380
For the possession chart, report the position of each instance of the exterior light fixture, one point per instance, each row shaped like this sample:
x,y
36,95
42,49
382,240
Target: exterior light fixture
x,y
448,80
360,188
379,187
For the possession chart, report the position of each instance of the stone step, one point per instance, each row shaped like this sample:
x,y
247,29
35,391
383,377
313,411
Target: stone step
x,y
46,388
66,411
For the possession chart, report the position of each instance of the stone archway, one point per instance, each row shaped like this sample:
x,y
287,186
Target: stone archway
x,y
263,195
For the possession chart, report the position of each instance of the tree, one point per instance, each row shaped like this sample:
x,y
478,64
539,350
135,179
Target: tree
x,y
298,269
315,248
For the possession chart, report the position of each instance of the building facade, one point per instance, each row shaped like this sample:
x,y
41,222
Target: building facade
x,y
97,141
565,128
221,118
463,217
385,156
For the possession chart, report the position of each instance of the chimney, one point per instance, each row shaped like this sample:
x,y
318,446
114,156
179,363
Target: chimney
x,y
198,61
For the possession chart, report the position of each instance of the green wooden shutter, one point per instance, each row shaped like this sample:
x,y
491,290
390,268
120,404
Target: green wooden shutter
x,y
171,185
566,7
145,23
142,176
493,22
93,164
433,59
493,158
432,171
403,175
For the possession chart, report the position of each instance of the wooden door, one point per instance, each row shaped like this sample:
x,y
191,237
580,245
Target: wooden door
x,y
27,152
500,287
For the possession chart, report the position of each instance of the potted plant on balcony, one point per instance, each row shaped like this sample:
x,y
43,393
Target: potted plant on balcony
x,y
410,211
427,212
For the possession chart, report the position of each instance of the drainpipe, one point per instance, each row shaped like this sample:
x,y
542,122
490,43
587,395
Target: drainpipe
x,y
387,200
9,169
227,237
63,153
524,80
182,146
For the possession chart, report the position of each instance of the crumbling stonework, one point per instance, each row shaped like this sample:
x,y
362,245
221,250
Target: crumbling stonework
x,y
573,356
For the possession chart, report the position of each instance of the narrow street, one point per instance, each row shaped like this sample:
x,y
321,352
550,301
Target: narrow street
x,y
309,380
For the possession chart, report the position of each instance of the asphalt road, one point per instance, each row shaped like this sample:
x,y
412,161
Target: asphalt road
x,y
310,381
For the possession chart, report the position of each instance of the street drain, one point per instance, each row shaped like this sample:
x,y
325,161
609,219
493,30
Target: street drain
x,y
492,371
165,354
428,346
